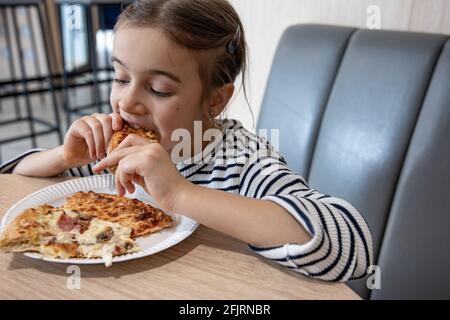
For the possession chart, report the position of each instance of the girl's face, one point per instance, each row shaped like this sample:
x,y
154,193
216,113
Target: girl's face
x,y
157,83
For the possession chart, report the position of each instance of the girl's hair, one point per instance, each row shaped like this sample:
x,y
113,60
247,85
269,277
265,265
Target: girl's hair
x,y
211,28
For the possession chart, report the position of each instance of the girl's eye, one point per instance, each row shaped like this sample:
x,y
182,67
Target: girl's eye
x,y
120,81
153,91
159,93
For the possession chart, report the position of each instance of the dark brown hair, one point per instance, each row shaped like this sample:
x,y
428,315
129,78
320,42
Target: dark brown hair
x,y
211,28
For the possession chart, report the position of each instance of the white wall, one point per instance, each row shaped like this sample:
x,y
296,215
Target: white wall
x,y
265,20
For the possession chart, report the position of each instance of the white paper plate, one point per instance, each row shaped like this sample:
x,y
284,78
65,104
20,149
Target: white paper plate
x,y
55,194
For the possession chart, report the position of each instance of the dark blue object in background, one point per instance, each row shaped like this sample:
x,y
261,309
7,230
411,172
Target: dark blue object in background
x,y
110,14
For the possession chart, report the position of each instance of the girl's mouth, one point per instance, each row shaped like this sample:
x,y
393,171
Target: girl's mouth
x,y
135,124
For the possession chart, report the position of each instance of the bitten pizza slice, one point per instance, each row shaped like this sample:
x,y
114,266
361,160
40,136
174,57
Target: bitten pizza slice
x,y
120,135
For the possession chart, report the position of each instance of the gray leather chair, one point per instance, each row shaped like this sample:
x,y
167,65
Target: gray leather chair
x,y
365,115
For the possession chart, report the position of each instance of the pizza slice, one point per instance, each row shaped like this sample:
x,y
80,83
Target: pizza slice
x,y
142,218
60,233
28,230
120,135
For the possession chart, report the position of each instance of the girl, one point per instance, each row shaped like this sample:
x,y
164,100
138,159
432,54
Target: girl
x,y
175,64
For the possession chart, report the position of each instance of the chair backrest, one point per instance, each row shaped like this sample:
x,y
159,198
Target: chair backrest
x,y
365,115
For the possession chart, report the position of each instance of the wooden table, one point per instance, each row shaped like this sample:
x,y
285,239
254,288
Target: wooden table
x,y
206,265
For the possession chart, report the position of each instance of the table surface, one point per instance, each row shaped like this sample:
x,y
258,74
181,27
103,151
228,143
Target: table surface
x,y
206,265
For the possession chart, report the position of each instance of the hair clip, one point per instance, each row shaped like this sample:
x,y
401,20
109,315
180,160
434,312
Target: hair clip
x,y
231,48
232,45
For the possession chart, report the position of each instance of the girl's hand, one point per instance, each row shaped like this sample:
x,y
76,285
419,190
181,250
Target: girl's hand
x,y
87,138
149,165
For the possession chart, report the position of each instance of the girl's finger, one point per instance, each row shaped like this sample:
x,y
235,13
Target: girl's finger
x,y
119,188
132,140
106,122
82,130
117,121
97,129
139,180
113,158
125,179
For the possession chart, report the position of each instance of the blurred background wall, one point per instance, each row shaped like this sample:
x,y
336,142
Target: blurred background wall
x,y
265,20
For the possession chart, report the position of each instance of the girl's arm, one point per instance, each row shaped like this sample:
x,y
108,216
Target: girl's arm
x,y
258,222
341,244
46,163
84,143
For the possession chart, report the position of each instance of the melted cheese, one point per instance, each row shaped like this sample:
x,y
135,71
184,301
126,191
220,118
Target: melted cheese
x,y
89,246
104,251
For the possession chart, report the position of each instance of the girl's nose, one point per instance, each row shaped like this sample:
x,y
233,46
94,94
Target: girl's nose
x,y
130,103
132,108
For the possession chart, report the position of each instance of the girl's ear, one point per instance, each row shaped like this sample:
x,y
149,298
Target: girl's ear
x,y
220,98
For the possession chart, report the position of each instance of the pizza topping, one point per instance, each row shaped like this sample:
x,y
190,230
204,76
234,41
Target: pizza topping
x,y
144,215
66,223
28,224
84,216
83,224
73,221
105,235
129,245
117,249
47,234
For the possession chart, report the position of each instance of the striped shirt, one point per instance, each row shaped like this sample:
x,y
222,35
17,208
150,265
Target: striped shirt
x,y
244,163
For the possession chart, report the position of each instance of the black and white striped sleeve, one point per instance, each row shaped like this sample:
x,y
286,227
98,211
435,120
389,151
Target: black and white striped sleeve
x,y
340,248
83,171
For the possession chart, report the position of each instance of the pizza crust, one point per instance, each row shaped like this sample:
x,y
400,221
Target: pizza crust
x,y
25,231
